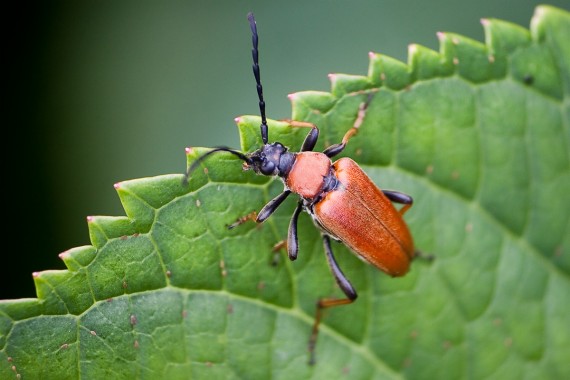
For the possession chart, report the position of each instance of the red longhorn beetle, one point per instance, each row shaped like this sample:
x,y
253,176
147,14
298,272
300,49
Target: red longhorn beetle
x,y
342,200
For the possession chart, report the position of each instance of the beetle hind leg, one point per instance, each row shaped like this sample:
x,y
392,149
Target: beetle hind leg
x,y
325,303
401,198
429,257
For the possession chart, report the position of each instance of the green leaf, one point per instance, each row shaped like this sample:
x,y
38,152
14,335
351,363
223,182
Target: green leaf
x,y
478,134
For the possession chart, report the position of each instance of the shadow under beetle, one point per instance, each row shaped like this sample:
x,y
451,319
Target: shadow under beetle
x,y
342,200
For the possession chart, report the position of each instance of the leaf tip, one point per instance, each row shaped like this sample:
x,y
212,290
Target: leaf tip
x,y
333,79
188,150
485,21
90,219
412,49
117,185
238,120
540,10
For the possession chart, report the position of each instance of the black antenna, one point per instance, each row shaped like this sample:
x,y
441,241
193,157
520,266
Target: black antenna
x,y
199,160
257,74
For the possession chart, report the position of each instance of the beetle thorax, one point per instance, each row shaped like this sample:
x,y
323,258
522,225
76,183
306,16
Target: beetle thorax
x,y
308,174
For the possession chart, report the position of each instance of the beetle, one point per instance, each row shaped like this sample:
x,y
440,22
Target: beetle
x,y
343,202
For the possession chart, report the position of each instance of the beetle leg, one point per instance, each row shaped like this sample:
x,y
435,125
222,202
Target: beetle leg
x,y
423,256
340,278
270,207
276,248
292,240
401,198
335,149
251,216
312,137
282,244
324,303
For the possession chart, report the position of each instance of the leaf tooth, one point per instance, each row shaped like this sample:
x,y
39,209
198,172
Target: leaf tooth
x,y
551,26
305,103
545,16
425,63
62,291
78,257
47,282
503,37
387,71
17,310
103,228
342,84
155,192
134,203
96,234
470,57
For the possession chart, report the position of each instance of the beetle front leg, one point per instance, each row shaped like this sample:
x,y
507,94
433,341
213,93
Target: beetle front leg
x,y
325,303
271,206
265,212
312,137
401,198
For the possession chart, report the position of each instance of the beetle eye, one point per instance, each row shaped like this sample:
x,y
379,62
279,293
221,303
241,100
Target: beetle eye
x,y
267,167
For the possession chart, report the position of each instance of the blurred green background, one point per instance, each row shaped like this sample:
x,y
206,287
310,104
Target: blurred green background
x,y
105,91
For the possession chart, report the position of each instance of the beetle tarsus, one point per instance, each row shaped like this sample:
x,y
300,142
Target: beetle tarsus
x,y
251,216
325,303
282,244
423,256
335,149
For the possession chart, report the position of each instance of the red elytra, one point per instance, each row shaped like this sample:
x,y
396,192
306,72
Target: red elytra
x,y
363,218
343,201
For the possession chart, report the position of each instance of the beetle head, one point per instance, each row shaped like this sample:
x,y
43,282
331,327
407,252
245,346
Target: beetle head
x,y
271,159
